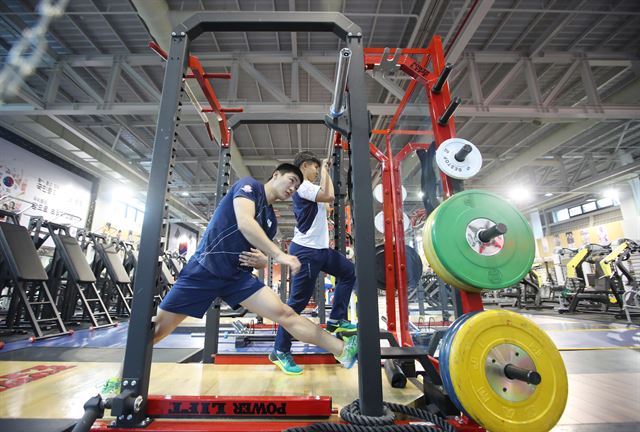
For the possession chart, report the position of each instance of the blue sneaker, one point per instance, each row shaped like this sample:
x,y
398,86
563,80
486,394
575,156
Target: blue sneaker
x,y
349,353
340,326
285,362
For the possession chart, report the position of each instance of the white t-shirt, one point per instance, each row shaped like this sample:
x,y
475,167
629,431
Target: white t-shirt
x,y
312,229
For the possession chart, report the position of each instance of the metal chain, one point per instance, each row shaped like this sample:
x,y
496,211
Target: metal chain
x,y
25,55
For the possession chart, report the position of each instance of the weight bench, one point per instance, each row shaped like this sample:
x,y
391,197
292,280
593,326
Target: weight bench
x,y
108,259
31,298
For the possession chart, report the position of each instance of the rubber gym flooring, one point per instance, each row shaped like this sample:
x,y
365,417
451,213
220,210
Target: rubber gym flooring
x,y
53,378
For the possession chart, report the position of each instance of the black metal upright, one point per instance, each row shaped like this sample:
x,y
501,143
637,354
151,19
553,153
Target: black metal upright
x,y
339,232
130,406
212,321
369,379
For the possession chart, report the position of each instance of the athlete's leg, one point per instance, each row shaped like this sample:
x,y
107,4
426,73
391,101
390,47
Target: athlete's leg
x,y
165,324
267,304
302,287
339,266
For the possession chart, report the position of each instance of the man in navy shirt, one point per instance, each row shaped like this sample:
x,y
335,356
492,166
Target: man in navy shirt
x,y
310,245
243,220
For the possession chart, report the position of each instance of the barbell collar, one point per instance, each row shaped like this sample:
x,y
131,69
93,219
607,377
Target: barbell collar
x,y
489,234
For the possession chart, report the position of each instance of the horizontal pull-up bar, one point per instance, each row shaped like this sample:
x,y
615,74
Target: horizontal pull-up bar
x,y
275,118
333,22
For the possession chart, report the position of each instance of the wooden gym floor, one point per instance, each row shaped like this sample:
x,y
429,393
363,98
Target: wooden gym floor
x,y
603,366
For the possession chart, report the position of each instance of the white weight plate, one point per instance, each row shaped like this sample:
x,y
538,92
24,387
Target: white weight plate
x,y
377,193
378,222
445,158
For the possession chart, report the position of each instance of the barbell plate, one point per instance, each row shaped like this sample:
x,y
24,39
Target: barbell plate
x,y
434,261
445,354
475,342
379,222
379,195
462,170
413,267
495,265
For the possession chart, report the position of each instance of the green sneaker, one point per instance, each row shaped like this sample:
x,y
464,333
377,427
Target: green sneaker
x,y
349,353
340,326
111,387
285,362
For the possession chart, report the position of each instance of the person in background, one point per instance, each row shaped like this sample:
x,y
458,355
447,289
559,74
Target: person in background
x,y
310,245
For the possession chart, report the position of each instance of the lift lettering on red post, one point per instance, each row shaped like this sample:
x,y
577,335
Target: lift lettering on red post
x,y
238,406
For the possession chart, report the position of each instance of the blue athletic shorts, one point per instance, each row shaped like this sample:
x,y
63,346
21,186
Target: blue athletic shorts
x,y
196,288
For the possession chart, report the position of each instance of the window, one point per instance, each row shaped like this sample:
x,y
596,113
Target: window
x,y
562,215
575,211
605,202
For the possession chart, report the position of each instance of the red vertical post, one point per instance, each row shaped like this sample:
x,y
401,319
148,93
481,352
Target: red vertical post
x,y
437,105
399,246
389,270
387,209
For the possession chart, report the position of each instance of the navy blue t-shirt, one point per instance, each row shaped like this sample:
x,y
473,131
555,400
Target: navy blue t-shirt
x,y
222,243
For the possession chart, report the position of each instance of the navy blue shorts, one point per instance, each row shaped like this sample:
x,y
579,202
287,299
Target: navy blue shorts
x,y
196,288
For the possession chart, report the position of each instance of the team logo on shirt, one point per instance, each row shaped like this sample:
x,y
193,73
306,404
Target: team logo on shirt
x,y
269,223
247,188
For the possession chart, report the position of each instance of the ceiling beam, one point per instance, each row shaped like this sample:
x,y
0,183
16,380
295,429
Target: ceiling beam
x,y
627,94
315,73
264,82
224,59
478,12
497,112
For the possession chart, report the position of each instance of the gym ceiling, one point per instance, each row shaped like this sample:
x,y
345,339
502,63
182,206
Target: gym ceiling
x,y
550,90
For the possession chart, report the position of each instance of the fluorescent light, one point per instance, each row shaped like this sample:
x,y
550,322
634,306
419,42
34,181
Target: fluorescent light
x,y
611,193
121,193
548,194
420,194
184,193
519,193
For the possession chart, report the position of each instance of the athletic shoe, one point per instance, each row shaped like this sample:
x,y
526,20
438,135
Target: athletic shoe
x,y
285,362
349,353
111,387
340,326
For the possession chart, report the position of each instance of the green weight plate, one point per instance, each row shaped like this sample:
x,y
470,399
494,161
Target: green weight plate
x,y
495,265
434,261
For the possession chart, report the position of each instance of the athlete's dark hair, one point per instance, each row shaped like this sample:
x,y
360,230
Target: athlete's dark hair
x,y
306,156
285,168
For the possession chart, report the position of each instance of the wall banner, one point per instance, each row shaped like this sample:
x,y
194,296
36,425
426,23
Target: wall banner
x,y
55,193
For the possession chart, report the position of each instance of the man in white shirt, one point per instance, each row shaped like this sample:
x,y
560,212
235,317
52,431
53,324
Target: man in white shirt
x,y
311,246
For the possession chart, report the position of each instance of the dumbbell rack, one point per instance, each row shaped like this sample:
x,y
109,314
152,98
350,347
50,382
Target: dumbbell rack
x,y
443,127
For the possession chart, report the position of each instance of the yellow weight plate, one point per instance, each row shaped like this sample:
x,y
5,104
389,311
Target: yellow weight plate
x,y
493,400
434,261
